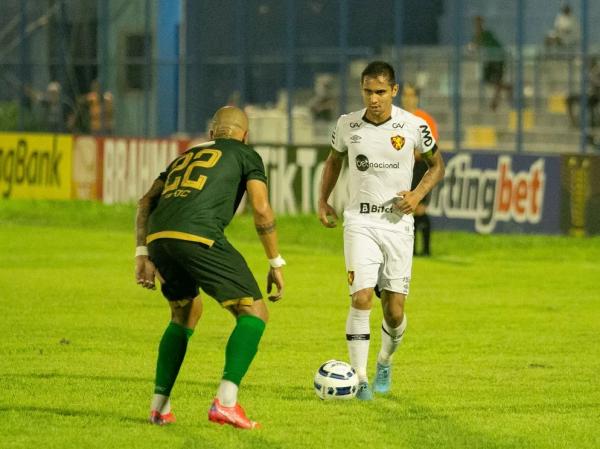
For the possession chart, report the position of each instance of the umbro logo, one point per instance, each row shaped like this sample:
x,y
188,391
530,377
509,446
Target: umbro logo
x,y
355,138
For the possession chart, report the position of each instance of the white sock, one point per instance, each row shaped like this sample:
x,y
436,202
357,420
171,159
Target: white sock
x,y
358,336
161,403
390,340
227,393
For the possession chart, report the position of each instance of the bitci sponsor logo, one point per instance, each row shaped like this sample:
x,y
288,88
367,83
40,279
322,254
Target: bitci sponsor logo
x,y
368,208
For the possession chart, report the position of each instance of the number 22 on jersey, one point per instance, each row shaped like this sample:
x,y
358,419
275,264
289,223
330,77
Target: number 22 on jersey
x,y
207,158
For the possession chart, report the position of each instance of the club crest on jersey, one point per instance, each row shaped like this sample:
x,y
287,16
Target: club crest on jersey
x,y
350,277
397,142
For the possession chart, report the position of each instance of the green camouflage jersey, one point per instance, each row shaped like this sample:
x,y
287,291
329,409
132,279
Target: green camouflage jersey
x,y
203,188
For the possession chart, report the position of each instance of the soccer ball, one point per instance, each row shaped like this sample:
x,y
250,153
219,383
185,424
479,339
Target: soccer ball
x,y
336,380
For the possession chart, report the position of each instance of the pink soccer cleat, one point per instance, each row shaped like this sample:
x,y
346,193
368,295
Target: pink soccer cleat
x,y
234,416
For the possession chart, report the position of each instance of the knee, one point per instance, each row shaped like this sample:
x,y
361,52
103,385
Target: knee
x,y
186,315
195,314
263,314
393,311
362,299
394,317
257,309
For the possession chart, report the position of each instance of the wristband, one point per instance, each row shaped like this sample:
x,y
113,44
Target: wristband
x,y
277,262
141,251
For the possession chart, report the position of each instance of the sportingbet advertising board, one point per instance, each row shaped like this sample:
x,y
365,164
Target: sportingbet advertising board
x,y
489,193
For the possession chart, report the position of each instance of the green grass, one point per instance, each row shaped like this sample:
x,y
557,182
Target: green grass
x,y
502,349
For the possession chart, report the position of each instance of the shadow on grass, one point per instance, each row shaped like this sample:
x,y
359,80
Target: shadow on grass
x,y
105,378
74,413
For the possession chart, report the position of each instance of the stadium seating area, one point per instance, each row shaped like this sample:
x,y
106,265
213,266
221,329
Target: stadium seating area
x,y
548,79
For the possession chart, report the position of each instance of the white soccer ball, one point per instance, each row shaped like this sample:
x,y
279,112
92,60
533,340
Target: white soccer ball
x,y
336,380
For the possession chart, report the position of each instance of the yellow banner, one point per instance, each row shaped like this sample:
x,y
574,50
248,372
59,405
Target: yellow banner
x,y
35,166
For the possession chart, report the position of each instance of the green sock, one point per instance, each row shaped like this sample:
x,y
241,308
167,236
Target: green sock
x,y
241,347
171,352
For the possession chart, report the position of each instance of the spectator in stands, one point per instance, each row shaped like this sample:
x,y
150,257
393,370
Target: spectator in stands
x,y
49,107
493,58
593,97
565,32
94,112
410,102
322,105
108,113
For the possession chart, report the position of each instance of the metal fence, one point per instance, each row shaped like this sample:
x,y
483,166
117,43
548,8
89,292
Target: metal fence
x,y
161,67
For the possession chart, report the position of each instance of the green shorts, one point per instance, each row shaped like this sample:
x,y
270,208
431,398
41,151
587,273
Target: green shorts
x,y
219,270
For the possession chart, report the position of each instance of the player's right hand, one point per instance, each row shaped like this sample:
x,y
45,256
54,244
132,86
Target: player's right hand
x,y
327,215
275,276
145,271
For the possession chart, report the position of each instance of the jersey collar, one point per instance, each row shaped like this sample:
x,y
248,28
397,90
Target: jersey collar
x,y
366,120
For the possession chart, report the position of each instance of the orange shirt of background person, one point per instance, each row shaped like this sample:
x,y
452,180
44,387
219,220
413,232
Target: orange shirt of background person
x,y
93,100
410,102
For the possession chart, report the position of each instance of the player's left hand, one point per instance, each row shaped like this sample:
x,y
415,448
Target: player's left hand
x,y
275,276
145,271
407,201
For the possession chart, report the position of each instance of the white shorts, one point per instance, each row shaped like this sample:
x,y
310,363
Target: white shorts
x,y
378,257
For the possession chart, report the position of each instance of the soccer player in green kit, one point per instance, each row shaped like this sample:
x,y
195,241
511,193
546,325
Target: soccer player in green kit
x,y
181,219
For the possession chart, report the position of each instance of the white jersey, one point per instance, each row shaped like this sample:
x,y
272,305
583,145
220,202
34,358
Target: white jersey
x,y
380,160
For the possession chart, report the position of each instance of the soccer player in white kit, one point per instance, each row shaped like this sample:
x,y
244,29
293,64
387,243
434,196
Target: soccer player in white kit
x,y
378,223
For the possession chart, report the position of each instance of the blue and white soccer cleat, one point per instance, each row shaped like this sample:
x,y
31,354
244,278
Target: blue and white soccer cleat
x,y
364,392
383,378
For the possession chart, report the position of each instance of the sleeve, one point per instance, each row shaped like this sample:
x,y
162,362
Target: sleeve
x,y
253,166
337,138
425,139
164,174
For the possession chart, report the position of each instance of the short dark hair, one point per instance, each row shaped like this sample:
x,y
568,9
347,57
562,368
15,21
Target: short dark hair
x,y
379,68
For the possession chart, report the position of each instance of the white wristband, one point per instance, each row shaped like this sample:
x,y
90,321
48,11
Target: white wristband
x,y
141,251
277,262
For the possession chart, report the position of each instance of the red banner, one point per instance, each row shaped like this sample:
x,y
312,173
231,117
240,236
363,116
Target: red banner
x,y
118,169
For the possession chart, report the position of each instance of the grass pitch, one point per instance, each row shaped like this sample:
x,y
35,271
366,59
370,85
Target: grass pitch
x,y
502,349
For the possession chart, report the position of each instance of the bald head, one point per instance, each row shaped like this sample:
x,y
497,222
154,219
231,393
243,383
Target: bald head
x,y
229,122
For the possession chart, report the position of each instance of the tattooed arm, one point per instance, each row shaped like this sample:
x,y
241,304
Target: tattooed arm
x,y
144,268
264,221
146,205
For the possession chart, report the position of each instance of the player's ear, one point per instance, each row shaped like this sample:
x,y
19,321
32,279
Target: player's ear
x,y
395,90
